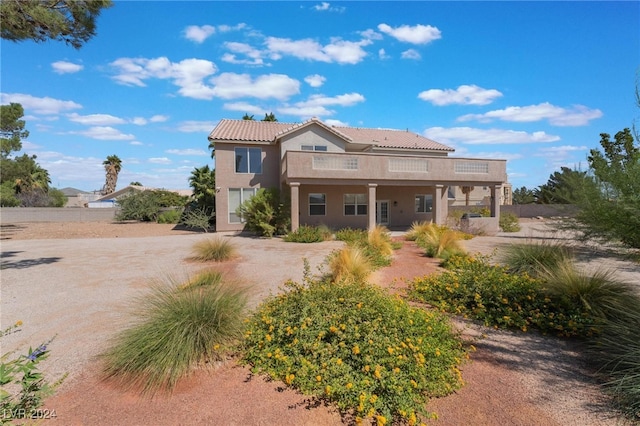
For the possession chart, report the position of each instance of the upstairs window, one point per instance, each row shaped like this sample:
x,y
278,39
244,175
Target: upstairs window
x,y
248,160
355,204
314,148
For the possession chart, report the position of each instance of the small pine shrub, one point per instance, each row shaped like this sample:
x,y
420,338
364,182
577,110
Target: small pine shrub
x,y
509,222
353,345
350,264
533,258
175,330
309,234
216,249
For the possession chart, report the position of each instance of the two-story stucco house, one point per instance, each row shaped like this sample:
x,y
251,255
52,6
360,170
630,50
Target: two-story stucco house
x,y
343,176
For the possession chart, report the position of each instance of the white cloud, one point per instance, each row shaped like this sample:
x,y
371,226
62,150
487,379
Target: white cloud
x,y
136,143
325,6
187,74
159,160
577,115
411,54
244,107
463,95
64,67
475,136
196,126
340,51
255,55
277,86
418,34
188,151
199,34
158,118
315,80
139,121
105,133
46,105
382,54
95,119
371,34
336,123
316,105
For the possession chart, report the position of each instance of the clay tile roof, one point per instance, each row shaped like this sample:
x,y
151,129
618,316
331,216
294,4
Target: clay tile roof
x,y
268,131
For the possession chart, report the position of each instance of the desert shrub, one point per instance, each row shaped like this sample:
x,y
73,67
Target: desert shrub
x,y
376,245
169,216
197,218
351,235
350,264
56,198
146,205
492,294
534,258
509,222
8,195
265,214
417,228
217,249
176,329
353,345
616,354
599,293
309,234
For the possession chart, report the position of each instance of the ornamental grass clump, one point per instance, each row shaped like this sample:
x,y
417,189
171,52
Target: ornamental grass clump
x,y
379,241
176,328
213,249
534,258
353,345
437,241
475,288
350,264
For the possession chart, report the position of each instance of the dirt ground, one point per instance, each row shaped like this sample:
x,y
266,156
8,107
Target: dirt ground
x,y
512,378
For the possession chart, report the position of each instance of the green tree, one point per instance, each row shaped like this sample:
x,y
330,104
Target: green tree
x,y
11,129
610,210
269,117
466,190
248,117
112,166
70,21
523,195
265,213
203,183
563,187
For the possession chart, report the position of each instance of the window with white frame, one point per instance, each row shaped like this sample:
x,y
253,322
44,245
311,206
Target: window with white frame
x,y
248,160
314,148
237,196
355,204
317,204
424,203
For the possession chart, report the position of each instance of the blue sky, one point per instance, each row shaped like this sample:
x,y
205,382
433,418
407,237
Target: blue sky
x,y
531,82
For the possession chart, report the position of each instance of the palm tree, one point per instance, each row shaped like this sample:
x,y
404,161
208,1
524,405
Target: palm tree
x,y
112,166
248,117
466,190
203,183
270,117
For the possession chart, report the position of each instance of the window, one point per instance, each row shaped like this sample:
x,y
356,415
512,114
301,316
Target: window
x,y
248,160
237,196
424,203
317,204
355,204
314,148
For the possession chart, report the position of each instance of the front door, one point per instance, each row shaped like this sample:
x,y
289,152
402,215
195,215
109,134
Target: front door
x,y
382,212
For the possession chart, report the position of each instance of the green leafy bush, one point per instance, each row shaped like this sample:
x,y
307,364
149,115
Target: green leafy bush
x,y
146,205
176,328
265,214
217,249
8,195
351,235
499,298
353,345
509,222
169,216
309,234
534,258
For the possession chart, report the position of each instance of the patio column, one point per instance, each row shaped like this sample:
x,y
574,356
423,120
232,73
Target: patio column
x,y
372,206
495,201
295,205
437,205
444,204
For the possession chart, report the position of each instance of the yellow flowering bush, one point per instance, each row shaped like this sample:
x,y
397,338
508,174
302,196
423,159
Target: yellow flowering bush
x,y
352,344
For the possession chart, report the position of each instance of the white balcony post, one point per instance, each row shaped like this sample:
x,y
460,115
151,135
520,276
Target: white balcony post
x,y
295,205
372,206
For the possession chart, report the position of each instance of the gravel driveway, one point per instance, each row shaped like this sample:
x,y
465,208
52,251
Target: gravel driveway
x,y
79,290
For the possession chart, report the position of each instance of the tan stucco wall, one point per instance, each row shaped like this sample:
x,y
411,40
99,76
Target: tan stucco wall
x,y
311,136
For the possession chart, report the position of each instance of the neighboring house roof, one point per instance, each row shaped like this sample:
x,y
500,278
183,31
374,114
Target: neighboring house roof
x,y
74,192
270,131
